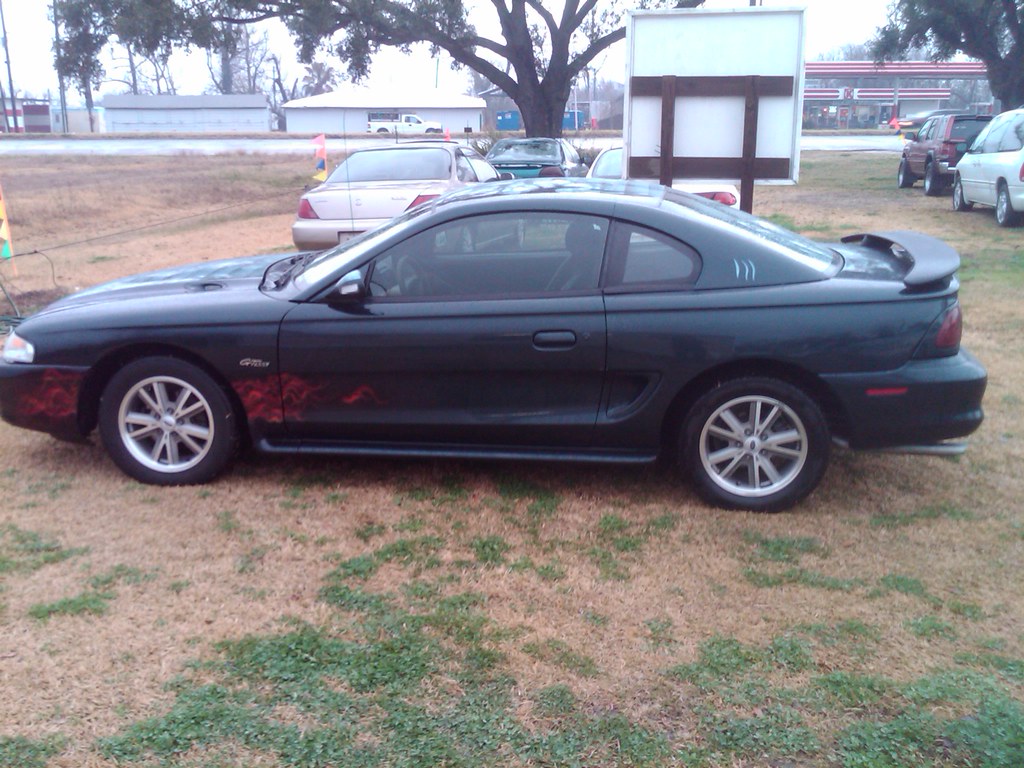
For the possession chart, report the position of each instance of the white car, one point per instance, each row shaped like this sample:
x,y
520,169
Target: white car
x,y
372,186
991,172
608,165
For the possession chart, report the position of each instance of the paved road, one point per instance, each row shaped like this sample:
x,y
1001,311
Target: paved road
x,y
219,146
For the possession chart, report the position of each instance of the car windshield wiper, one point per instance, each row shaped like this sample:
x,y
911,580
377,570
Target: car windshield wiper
x,y
281,272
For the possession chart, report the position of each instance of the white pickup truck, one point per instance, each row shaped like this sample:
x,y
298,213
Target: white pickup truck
x,y
397,123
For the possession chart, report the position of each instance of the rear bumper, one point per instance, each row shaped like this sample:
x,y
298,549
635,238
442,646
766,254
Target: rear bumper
x,y
317,234
44,399
921,403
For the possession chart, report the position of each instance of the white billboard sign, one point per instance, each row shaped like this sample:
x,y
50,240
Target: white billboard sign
x,y
714,94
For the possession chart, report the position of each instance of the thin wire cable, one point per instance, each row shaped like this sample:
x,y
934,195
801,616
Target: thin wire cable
x,y
163,223
119,233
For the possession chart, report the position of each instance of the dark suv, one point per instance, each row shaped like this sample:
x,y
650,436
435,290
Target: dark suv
x,y
931,153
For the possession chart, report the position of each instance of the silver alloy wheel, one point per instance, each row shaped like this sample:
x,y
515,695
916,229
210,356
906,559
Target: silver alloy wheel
x,y
1003,211
753,446
166,424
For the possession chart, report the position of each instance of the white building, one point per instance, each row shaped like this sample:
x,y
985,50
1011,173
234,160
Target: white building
x,y
232,113
347,110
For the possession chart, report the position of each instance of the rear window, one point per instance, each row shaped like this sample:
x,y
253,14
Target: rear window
x,y
525,151
417,164
790,244
968,127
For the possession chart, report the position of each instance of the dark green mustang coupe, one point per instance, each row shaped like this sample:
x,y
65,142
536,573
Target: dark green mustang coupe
x,y
551,319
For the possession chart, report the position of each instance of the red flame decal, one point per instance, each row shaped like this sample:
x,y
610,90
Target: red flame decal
x,y
56,396
362,394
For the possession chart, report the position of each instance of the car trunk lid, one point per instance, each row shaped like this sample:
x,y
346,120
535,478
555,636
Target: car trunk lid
x,y
368,199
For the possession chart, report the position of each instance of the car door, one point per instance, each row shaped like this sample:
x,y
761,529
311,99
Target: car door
x,y
977,176
467,335
917,150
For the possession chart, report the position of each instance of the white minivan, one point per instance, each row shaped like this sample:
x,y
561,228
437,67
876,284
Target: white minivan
x,y
991,172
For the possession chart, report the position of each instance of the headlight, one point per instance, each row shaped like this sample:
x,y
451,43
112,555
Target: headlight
x,y
17,350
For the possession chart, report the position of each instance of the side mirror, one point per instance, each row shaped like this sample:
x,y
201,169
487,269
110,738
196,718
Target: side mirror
x,y
506,176
351,287
910,135
961,147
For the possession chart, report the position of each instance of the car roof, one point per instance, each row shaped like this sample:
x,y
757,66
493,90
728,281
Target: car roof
x,y
417,144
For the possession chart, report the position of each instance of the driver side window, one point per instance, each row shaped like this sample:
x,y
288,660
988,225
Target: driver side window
x,y
495,255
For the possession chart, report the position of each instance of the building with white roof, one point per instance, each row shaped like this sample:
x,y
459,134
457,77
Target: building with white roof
x,y
349,109
190,114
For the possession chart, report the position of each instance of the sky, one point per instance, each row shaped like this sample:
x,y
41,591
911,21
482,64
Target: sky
x,y
830,25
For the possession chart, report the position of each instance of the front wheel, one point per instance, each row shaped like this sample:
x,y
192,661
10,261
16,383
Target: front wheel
x,y
167,422
960,203
904,176
1005,215
755,443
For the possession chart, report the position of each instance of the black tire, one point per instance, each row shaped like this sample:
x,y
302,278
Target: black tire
x,y
904,176
778,459
960,203
1005,215
933,182
164,421
433,130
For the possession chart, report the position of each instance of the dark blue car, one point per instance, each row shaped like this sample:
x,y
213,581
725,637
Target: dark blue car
x,y
552,319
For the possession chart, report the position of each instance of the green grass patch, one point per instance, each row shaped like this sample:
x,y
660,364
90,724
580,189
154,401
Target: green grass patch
x,y
800,576
559,654
931,512
930,627
19,752
490,550
91,603
783,549
22,550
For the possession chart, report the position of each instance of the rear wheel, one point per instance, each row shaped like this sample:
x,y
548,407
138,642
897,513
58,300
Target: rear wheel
x,y
933,183
960,203
755,443
1005,215
904,176
167,422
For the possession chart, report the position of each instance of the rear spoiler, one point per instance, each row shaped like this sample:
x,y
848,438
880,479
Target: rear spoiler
x,y
930,259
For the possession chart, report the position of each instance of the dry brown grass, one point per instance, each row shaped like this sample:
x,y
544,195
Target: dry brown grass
x,y
240,556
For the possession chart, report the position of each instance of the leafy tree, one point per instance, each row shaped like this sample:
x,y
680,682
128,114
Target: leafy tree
x,y
991,31
534,59
85,27
319,78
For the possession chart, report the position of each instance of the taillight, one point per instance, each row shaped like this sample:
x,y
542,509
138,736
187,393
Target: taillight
x,y
943,337
725,198
420,199
306,210
951,330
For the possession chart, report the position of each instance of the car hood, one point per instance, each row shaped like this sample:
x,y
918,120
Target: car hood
x,y
207,276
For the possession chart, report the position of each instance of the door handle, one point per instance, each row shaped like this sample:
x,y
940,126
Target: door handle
x,y
554,339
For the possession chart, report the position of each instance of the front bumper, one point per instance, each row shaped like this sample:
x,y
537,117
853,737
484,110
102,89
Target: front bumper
x,y
921,403
41,398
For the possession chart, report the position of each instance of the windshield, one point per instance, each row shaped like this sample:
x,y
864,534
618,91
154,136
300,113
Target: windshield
x,y
349,254
525,150
407,164
780,239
